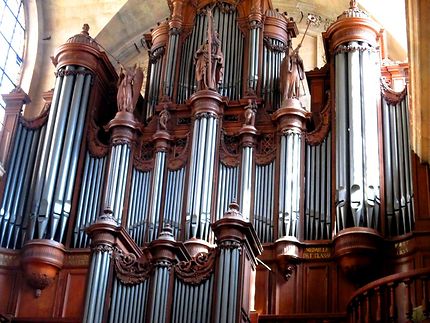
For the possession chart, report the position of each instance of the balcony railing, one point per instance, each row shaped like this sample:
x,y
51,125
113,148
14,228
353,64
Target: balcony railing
x,y
402,297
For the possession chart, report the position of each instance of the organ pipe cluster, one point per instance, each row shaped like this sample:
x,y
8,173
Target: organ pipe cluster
x,y
357,151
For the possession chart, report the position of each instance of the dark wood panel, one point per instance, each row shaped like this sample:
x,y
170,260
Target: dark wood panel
x,y
74,294
316,286
7,288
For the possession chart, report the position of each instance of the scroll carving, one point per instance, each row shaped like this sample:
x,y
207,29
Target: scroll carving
x,y
392,97
229,150
266,149
95,147
274,47
178,153
198,269
129,269
39,121
144,156
317,136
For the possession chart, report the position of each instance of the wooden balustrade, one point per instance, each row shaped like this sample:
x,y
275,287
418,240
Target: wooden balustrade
x,y
401,297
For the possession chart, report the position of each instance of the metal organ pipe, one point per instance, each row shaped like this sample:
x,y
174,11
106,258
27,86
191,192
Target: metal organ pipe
x,y
137,219
156,198
397,164
289,189
227,188
17,191
318,191
201,176
171,61
96,293
357,151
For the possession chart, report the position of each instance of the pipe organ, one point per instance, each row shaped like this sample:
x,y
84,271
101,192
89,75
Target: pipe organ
x,y
220,195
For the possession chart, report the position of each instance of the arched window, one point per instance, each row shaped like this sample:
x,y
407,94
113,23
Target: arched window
x,y
12,27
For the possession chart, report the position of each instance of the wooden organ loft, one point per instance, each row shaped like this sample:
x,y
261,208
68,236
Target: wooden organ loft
x,y
229,192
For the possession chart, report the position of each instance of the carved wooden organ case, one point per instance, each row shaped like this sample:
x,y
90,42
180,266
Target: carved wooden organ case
x,y
161,212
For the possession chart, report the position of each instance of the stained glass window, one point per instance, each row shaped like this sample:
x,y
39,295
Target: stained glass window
x,y
12,28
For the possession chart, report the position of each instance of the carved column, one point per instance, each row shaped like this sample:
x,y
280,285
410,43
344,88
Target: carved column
x,y
165,252
291,120
238,248
123,128
14,103
102,234
353,41
206,107
161,138
247,134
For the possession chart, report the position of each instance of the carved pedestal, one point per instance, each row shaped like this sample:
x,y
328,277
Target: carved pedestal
x,y
41,260
238,248
357,251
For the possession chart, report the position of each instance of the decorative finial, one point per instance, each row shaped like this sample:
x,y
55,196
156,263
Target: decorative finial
x,y
233,210
166,233
85,29
353,4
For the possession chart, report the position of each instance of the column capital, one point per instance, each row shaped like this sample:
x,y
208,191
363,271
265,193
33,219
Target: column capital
x,y
233,230
206,102
123,128
15,100
166,250
291,116
353,25
162,140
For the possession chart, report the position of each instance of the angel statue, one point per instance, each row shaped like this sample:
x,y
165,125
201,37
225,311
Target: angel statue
x,y
209,68
129,85
293,81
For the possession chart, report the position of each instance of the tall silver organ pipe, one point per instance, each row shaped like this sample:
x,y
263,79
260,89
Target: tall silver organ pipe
x,y
156,198
318,191
97,284
246,182
128,302
202,160
58,163
357,150
397,165
253,56
156,60
21,167
289,183
89,202
192,303
225,22
263,201
273,54
227,188
172,54
118,163
138,208
173,200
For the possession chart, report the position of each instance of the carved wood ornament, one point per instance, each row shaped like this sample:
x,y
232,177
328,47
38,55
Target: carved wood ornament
x,y
129,269
198,269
